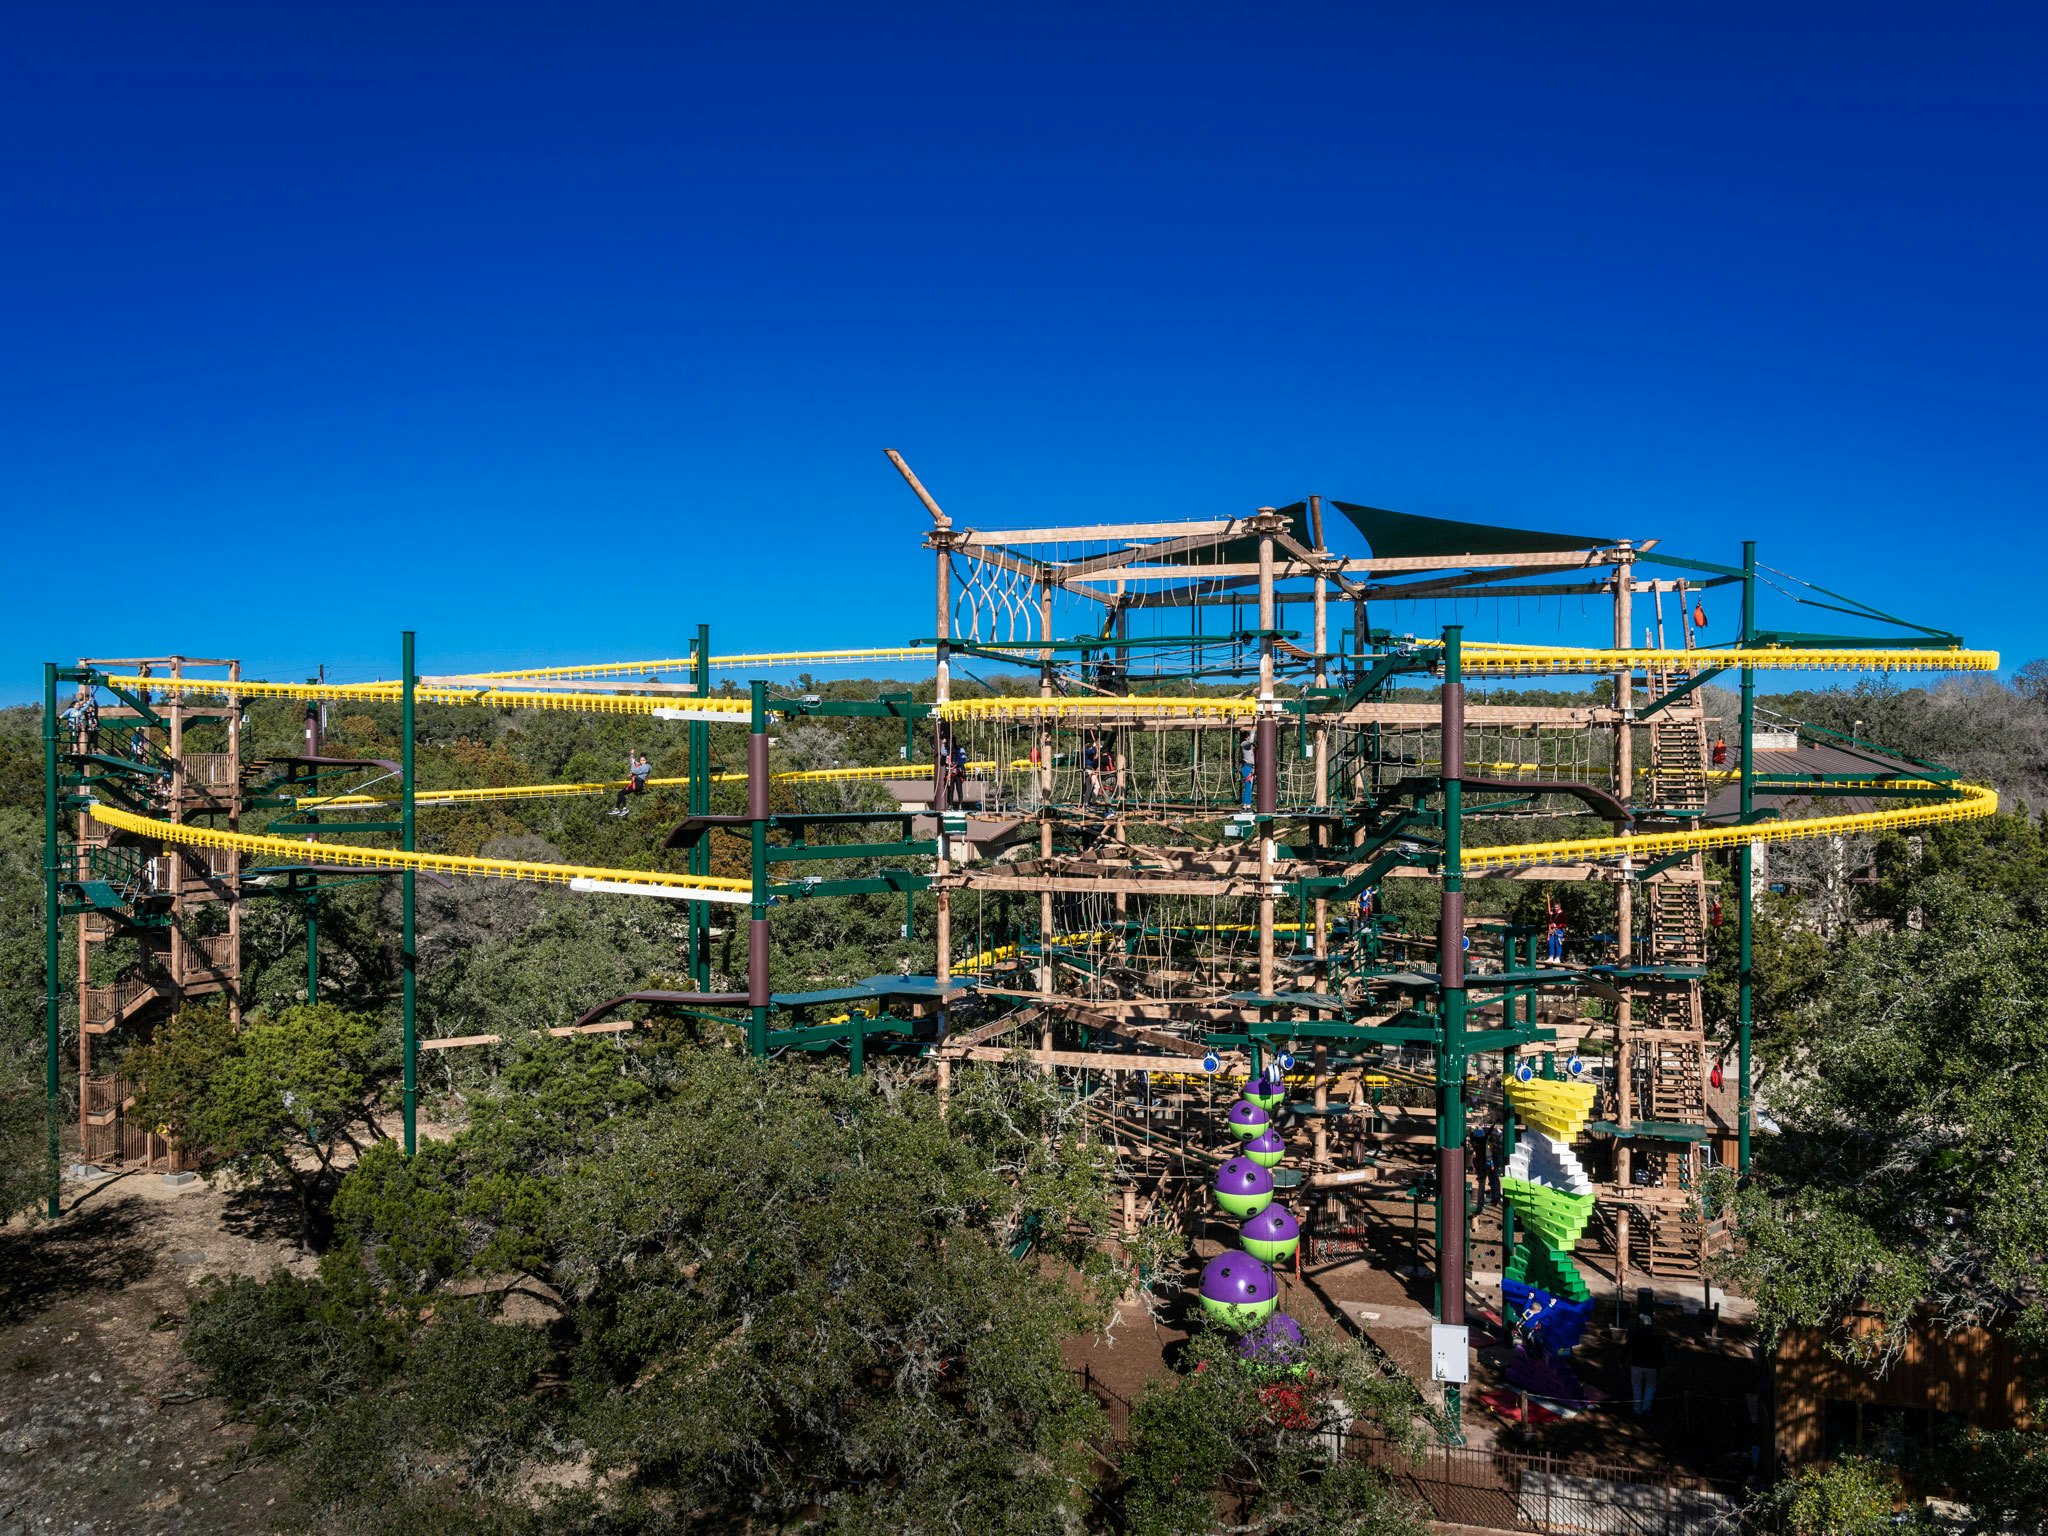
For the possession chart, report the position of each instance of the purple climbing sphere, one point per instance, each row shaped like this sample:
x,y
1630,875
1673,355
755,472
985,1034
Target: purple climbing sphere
x,y
1247,1119
1278,1343
1238,1290
1271,1235
1243,1188
1266,1149
1236,1276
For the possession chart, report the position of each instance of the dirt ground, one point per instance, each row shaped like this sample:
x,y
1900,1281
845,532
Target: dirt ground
x,y
99,1431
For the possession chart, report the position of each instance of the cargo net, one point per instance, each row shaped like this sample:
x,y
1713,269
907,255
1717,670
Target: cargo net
x,y
1176,957
1167,770
1371,758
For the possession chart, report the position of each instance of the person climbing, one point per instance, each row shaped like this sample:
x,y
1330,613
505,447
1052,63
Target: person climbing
x,y
1554,930
1247,758
1486,1163
1644,1352
959,765
1091,770
637,770
1368,903
1720,751
1715,1078
1714,912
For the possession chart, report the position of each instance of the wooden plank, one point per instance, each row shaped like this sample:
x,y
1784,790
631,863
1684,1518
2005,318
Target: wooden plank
x,y
1097,1061
1091,532
973,881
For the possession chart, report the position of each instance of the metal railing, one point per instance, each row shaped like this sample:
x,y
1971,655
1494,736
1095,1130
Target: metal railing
x,y
1499,1490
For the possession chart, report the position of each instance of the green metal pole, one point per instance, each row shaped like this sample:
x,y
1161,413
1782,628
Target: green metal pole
x,y
313,942
408,946
700,805
1507,1067
1746,863
1450,1140
757,928
53,1086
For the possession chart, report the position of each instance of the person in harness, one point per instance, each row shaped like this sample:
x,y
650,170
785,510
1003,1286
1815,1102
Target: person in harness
x,y
1720,751
637,770
1554,931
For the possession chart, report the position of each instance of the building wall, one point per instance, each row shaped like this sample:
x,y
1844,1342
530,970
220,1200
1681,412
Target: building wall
x,y
1824,1406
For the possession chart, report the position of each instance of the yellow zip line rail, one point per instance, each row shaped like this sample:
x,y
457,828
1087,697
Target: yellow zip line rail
x,y
1971,801
1496,658
739,710
640,881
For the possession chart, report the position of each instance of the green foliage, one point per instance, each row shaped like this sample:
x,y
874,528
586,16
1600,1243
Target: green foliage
x,y
1220,1436
1852,1497
1912,1170
777,1293
279,1096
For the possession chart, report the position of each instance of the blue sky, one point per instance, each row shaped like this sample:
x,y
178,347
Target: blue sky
x,y
550,331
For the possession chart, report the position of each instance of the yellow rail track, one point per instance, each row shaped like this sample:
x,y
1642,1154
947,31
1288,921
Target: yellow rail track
x,y
741,710
1496,658
1969,802
357,856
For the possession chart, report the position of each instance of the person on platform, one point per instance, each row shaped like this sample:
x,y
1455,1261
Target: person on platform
x,y
1247,771
1554,931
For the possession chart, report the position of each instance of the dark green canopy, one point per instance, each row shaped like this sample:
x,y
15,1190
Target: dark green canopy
x,y
1405,535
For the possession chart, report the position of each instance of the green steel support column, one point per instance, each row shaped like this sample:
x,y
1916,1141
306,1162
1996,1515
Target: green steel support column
x,y
53,1086
1507,1068
1450,1137
408,949
700,805
313,942
757,928
1746,868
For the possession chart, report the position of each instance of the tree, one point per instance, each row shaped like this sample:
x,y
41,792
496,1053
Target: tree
x,y
1851,1497
774,1293
280,1096
1221,1437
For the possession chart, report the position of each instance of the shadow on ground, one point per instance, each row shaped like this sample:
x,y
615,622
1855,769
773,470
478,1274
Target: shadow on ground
x,y
96,1249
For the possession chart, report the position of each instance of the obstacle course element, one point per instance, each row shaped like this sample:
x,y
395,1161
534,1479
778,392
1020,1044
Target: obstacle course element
x,y
1276,1345
1246,1119
1273,1235
1266,1149
1243,1188
1547,1189
1237,1290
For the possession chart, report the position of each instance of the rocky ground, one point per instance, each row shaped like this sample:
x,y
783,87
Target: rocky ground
x,y
101,1427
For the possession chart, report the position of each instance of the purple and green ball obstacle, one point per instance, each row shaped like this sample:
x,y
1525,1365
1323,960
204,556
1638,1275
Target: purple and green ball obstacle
x,y
1268,1090
1275,1345
1266,1149
1238,1291
1246,1119
1243,1188
1272,1235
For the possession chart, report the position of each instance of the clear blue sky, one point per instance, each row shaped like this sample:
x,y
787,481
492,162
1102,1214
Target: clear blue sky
x,y
550,331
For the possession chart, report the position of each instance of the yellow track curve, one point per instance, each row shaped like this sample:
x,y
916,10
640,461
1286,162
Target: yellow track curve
x,y
1489,658
655,882
740,710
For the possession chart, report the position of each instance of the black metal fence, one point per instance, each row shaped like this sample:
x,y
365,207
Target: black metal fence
x,y
1496,1490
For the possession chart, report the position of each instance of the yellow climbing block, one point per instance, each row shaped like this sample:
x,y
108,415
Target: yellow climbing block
x,y
1558,1109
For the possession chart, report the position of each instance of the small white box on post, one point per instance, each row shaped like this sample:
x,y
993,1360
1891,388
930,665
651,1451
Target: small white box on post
x,y
1450,1353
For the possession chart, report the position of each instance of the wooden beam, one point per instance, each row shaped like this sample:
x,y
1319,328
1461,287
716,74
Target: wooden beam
x,y
1086,533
